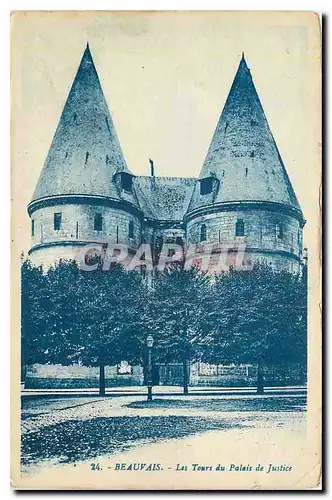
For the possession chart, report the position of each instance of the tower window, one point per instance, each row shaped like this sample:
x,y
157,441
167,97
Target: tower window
x,y
239,228
32,227
279,231
57,221
206,185
98,222
131,229
203,233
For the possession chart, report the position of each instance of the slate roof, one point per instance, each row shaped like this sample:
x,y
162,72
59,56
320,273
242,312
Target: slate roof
x,y
243,155
164,198
85,151
85,154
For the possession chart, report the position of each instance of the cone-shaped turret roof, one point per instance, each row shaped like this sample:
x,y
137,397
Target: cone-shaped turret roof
x,y
85,151
243,155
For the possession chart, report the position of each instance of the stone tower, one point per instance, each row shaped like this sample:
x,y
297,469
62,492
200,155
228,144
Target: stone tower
x,y
244,194
85,190
87,195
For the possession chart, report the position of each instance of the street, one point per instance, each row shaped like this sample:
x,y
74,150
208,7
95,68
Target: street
x,y
71,430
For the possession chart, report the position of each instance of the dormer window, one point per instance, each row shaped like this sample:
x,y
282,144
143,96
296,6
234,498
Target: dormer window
x,y
203,233
206,186
239,228
126,182
98,222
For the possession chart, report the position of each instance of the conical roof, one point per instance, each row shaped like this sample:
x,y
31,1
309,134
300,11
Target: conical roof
x,y
243,155
85,151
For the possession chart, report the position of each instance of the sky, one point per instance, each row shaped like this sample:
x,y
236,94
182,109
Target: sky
x,y
166,77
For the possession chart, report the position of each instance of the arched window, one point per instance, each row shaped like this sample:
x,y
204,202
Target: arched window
x,y
203,233
131,229
239,228
279,231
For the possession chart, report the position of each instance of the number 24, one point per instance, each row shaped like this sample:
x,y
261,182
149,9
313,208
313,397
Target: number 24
x,y
94,466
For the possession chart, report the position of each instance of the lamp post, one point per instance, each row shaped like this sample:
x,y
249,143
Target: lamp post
x,y
149,343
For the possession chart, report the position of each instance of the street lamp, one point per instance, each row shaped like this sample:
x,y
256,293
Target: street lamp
x,y
149,343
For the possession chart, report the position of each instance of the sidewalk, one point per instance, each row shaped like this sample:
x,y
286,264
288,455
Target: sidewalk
x,y
163,391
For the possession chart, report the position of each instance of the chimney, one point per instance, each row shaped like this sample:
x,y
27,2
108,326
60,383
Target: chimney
x,y
152,167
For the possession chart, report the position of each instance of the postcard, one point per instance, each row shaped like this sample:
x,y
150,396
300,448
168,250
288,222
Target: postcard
x,y
166,250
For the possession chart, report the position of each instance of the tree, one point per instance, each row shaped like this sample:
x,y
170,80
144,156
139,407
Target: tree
x,y
174,315
103,317
70,315
108,314
33,316
262,318
64,289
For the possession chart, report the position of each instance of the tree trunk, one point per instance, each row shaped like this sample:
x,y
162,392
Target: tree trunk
x,y
101,379
185,376
260,377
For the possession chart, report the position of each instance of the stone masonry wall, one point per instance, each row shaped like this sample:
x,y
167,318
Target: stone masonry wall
x,y
48,256
75,376
260,229
77,224
84,216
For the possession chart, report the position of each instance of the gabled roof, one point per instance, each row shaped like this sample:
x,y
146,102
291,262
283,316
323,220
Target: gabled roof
x,y
243,155
164,198
85,151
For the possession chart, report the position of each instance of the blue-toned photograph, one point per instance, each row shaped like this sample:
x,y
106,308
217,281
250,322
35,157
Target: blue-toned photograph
x,y
165,248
